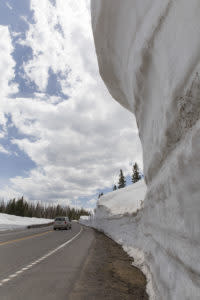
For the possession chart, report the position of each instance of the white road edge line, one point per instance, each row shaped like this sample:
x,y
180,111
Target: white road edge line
x,y
19,272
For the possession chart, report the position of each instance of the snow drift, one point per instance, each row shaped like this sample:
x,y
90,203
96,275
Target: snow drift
x,y
149,57
10,222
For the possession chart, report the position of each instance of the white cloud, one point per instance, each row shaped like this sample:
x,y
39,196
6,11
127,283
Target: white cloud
x,y
76,151
92,201
58,36
9,193
3,150
9,6
7,65
78,145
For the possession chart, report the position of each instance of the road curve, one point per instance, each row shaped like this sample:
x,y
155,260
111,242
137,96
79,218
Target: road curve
x,y
42,263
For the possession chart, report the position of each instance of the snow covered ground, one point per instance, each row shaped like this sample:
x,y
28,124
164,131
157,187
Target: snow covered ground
x,y
149,58
10,222
124,201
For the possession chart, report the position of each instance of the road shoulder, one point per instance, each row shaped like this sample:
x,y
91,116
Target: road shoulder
x,y
108,274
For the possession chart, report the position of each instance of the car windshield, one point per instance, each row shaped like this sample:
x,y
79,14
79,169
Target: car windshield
x,y
60,219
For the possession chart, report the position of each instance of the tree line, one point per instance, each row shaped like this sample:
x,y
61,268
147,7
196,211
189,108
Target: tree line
x,y
21,207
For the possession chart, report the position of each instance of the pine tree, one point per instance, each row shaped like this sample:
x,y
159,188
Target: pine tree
x,y
114,187
136,175
23,208
19,207
122,180
2,206
100,194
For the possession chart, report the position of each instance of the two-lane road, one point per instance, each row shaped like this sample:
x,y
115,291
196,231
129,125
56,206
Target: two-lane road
x,y
42,263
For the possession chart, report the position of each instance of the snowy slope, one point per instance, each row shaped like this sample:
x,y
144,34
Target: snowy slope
x,y
124,201
10,222
149,57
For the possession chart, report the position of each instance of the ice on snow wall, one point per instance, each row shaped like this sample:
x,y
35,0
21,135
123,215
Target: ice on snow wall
x,y
149,57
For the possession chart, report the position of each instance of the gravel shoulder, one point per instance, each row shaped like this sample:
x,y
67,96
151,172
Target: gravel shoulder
x,y
108,274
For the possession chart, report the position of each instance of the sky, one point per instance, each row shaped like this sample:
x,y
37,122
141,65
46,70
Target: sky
x,y
63,139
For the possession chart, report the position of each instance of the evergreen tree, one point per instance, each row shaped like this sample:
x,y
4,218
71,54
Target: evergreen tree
x,y
21,207
2,207
114,187
136,175
100,194
12,207
122,180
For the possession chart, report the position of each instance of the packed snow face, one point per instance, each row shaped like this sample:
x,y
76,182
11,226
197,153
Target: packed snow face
x,y
124,201
149,57
118,214
10,222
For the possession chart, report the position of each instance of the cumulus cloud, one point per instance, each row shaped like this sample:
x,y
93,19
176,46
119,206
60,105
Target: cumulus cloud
x,y
58,36
7,68
76,152
78,144
3,150
7,64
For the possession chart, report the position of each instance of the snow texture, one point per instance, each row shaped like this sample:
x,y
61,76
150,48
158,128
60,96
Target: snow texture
x,y
149,57
10,222
124,201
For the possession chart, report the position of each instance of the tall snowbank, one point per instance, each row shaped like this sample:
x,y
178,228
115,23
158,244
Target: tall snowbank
x,y
149,58
118,214
10,222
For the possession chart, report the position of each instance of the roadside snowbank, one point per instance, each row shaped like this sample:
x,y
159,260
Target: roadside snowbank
x,y
149,57
118,215
10,222
83,218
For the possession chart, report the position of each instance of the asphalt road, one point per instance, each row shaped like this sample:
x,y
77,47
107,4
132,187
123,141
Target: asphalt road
x,y
42,263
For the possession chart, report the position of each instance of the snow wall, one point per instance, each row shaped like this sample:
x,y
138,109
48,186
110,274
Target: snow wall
x,y
149,57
